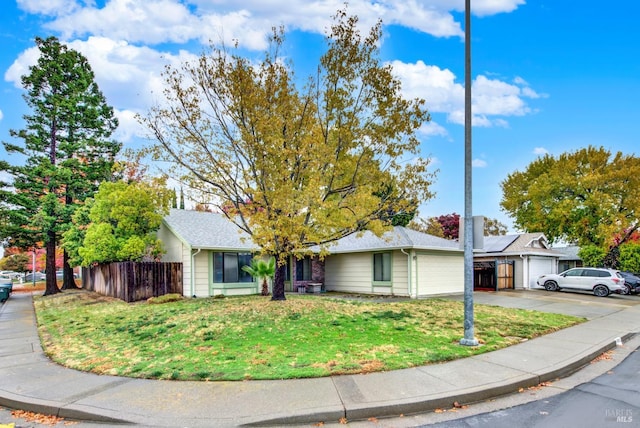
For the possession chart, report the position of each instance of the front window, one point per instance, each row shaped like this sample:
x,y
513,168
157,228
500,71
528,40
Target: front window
x,y
303,269
382,267
227,267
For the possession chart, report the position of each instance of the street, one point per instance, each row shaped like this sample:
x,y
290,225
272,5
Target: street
x,y
611,399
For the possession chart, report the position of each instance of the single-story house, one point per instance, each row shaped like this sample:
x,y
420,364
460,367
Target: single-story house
x,y
403,262
513,261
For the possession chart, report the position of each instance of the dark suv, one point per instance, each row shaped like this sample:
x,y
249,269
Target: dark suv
x,y
631,282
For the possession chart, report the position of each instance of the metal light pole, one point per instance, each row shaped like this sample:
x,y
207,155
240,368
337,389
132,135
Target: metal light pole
x,y
469,339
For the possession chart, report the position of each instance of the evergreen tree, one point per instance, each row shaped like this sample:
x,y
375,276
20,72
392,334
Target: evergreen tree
x,y
67,149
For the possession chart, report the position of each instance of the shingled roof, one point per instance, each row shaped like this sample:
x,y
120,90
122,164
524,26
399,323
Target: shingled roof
x,y
213,231
208,231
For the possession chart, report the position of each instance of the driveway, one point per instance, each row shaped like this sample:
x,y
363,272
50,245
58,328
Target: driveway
x,y
559,302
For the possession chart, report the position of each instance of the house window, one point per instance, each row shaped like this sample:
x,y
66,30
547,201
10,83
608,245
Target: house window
x,y
227,267
303,269
382,267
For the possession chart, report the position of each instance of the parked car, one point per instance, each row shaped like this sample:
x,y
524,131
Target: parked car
x,y
10,274
39,276
631,282
600,281
60,275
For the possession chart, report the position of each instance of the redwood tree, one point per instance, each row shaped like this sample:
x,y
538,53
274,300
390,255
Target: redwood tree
x,y
67,149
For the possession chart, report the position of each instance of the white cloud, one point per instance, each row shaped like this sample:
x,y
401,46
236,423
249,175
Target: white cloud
x,y
128,72
492,99
1,115
129,129
21,66
431,128
249,21
540,151
49,7
491,7
150,21
479,163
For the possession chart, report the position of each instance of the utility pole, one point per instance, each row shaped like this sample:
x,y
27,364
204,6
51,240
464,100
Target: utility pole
x,y
469,339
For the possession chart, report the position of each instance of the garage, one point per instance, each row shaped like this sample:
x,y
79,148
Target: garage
x,y
439,273
538,266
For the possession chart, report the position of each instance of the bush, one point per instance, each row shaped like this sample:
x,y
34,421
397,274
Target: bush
x,y
592,255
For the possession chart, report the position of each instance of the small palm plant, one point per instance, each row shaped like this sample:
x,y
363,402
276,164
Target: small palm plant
x,y
262,270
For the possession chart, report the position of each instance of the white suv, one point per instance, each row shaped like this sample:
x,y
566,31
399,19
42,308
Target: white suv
x,y
600,281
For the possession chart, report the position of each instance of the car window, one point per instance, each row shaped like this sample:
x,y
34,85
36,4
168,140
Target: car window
x,y
573,272
595,273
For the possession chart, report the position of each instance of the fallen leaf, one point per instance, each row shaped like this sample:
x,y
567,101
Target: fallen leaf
x,y
343,421
36,417
608,355
374,420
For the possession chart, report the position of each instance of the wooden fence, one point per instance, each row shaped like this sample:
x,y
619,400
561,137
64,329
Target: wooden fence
x,y
131,281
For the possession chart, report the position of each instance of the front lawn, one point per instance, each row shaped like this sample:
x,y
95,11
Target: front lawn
x,y
255,338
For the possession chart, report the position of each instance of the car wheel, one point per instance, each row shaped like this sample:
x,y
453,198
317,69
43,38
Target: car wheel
x,y
627,290
551,286
601,290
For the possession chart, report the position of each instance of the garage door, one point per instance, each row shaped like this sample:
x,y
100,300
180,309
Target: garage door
x,y
440,274
540,266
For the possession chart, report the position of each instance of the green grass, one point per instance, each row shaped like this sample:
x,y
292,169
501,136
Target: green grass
x,y
255,338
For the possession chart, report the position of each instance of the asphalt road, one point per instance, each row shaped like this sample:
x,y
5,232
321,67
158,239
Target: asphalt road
x,y
611,399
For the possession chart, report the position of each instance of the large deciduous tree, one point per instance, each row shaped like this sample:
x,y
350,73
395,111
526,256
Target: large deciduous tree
x,y
296,167
588,197
65,148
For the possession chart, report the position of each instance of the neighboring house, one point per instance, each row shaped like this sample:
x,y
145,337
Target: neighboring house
x,y
569,258
402,262
513,261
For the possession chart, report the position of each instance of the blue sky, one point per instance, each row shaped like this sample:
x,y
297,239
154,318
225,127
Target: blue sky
x,y
549,76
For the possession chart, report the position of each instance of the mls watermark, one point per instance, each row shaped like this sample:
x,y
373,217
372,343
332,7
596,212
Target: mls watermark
x,y
619,415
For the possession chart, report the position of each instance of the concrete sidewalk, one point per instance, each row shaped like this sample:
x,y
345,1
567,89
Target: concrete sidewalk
x,y
29,381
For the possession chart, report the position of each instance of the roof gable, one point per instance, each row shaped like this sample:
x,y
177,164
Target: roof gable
x,y
523,243
207,230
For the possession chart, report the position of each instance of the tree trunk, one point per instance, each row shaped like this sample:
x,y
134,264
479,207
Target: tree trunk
x,y
50,265
68,281
265,287
278,283
611,259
